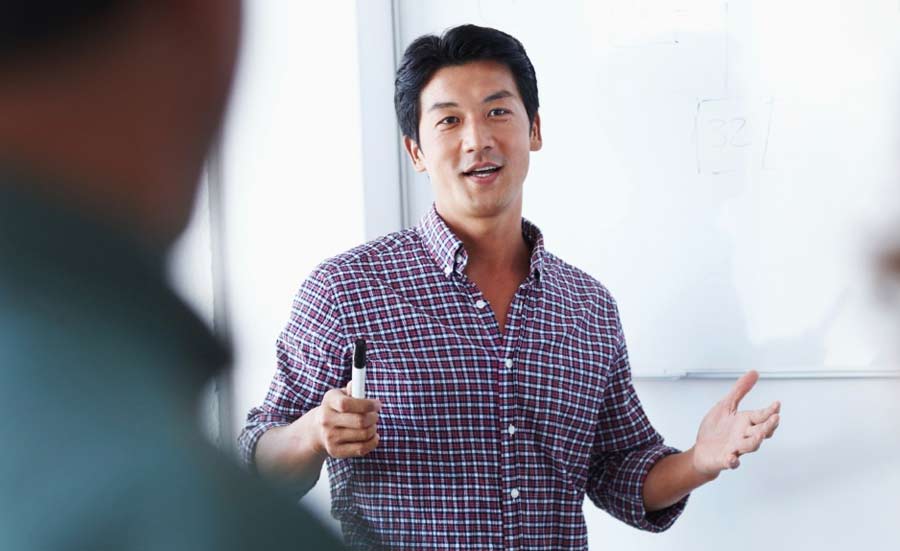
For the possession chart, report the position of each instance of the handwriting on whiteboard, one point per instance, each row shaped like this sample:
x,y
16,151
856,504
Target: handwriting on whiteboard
x,y
731,135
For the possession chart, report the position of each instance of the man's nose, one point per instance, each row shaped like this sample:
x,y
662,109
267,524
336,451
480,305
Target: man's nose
x,y
477,136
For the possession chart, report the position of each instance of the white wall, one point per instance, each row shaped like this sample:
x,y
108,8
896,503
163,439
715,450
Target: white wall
x,y
291,165
829,480
190,260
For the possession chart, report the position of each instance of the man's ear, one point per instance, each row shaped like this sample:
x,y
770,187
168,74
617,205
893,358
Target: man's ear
x,y
536,140
415,153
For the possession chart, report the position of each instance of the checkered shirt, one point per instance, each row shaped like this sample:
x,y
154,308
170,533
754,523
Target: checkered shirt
x,y
488,440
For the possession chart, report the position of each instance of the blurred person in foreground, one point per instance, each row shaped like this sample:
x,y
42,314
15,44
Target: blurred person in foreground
x,y
107,110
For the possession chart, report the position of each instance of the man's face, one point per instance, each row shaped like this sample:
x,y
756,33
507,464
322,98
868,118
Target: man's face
x,y
474,140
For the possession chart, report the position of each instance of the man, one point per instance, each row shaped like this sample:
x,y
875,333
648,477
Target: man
x,y
107,109
499,386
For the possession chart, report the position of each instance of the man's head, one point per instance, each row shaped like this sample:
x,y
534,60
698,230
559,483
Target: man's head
x,y
116,102
458,46
467,104
29,27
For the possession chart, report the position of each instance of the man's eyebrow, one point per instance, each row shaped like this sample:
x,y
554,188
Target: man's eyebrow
x,y
443,105
498,95
493,97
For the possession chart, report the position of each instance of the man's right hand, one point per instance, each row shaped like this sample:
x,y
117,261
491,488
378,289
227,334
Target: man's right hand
x,y
346,426
342,426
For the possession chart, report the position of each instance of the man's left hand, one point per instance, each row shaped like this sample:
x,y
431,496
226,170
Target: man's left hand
x,y
726,433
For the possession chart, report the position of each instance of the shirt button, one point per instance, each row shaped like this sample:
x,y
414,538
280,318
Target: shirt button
x,y
448,270
508,362
511,430
514,493
480,304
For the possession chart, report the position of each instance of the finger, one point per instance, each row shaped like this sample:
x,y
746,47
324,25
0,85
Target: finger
x,y
342,402
732,461
765,429
741,388
356,449
760,416
339,437
351,420
750,444
772,430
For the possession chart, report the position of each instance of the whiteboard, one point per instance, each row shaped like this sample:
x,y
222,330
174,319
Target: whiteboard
x,y
726,169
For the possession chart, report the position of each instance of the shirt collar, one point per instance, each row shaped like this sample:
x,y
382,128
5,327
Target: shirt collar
x,y
448,252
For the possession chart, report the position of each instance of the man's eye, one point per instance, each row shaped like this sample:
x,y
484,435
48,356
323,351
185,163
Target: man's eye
x,y
498,112
449,120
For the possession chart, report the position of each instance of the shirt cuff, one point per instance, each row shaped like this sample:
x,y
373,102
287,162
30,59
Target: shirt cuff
x,y
249,438
626,491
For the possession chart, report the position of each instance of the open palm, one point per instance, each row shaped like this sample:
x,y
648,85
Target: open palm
x,y
726,433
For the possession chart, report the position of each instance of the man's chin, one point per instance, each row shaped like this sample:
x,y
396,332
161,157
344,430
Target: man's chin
x,y
489,207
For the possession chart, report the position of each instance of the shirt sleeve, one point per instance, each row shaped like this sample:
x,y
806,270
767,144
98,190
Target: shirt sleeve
x,y
312,358
626,447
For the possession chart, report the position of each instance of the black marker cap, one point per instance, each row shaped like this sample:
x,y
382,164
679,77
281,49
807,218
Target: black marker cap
x,y
359,354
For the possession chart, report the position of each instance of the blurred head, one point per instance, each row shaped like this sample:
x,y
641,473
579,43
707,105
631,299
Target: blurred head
x,y
27,28
117,100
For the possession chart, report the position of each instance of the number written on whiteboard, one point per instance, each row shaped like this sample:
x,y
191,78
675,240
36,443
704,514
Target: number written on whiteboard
x,y
727,133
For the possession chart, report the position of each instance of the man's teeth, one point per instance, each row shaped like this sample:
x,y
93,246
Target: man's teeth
x,y
487,170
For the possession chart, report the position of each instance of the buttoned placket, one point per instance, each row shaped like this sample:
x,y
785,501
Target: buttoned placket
x,y
503,351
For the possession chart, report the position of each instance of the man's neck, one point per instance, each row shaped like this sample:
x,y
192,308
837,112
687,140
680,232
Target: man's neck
x,y
493,245
499,256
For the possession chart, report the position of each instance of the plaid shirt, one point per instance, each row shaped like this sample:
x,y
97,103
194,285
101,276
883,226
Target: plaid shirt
x,y
488,440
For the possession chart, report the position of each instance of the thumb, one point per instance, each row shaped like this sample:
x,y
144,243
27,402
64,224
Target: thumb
x,y
741,388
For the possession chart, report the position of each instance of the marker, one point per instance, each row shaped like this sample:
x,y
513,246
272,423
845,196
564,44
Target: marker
x,y
358,378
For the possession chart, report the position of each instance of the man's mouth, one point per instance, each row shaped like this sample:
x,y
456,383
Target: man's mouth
x,y
483,171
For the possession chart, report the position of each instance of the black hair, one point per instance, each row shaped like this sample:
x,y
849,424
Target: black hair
x,y
29,26
458,46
